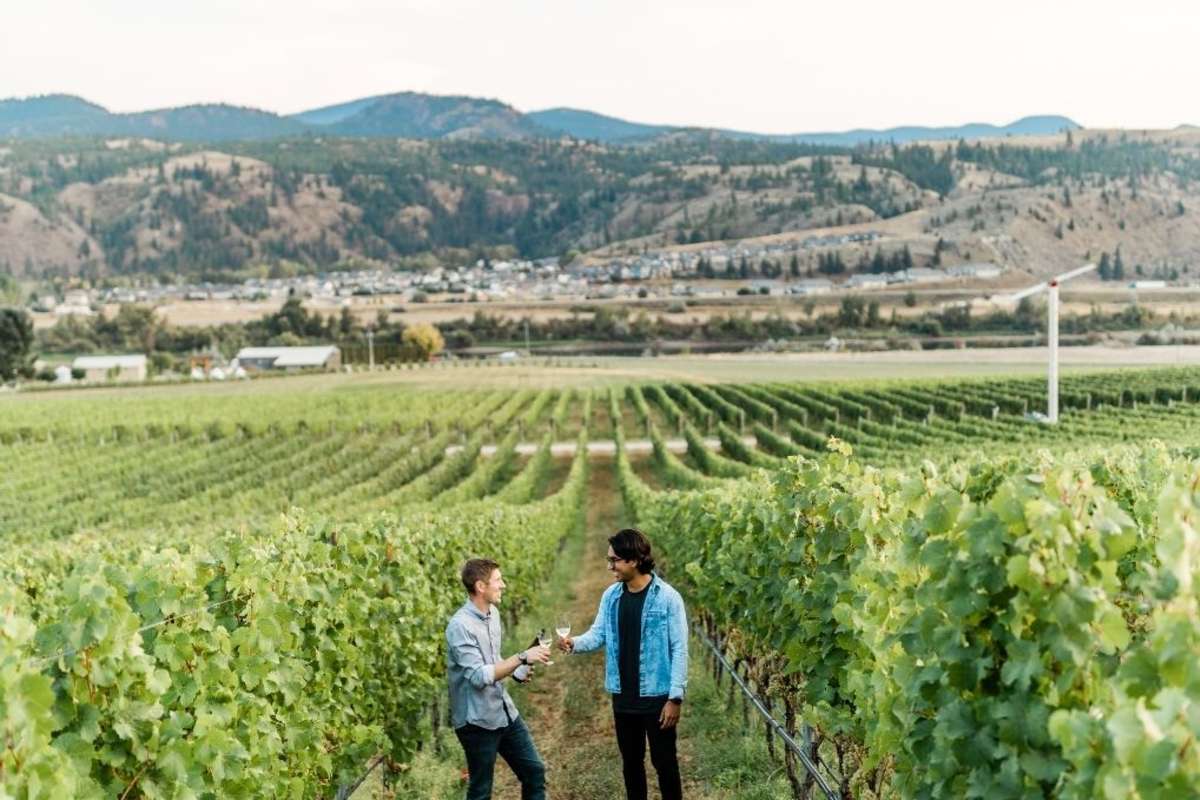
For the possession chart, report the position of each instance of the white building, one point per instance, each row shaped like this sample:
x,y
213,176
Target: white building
x,y
983,269
866,282
117,368
918,275
76,297
811,286
290,358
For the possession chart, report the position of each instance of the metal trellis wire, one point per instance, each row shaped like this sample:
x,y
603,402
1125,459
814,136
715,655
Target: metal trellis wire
x,y
791,744
347,789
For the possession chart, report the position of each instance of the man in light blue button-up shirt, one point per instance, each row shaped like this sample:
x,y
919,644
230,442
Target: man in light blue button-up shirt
x,y
482,713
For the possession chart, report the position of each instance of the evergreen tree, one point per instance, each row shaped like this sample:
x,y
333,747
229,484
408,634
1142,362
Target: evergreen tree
x,y
347,324
862,185
878,264
16,344
1118,270
1105,268
794,267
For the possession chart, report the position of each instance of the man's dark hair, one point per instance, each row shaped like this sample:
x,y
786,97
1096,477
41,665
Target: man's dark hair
x,y
630,544
477,569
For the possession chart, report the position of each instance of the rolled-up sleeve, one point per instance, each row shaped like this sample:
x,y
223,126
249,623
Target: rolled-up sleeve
x,y
678,634
467,655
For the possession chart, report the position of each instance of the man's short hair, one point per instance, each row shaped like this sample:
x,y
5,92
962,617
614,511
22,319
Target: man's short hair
x,y
630,544
477,569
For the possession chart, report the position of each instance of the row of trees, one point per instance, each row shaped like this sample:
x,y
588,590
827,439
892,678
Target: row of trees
x,y
853,313
139,329
834,264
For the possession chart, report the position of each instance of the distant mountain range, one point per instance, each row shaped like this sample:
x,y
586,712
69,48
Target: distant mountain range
x,y
413,115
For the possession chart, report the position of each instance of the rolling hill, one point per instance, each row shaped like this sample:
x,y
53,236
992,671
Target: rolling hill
x,y
414,115
411,115
138,207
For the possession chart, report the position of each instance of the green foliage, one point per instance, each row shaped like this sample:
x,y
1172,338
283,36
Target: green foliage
x,y
273,661
969,642
991,620
919,163
16,344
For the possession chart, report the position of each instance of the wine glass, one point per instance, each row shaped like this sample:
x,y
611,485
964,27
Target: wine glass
x,y
543,639
563,628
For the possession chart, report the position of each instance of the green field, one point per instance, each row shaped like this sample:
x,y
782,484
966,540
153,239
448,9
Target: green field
x,y
238,590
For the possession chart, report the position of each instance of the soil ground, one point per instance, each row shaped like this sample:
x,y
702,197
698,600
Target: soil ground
x,y
570,715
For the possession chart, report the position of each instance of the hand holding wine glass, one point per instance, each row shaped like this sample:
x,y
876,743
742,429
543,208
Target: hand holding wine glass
x,y
543,640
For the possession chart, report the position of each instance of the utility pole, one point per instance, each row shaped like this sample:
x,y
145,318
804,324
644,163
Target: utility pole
x,y
1052,341
1051,289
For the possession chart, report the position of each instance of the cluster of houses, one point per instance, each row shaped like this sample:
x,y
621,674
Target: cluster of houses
x,y
687,263
249,360
483,281
540,280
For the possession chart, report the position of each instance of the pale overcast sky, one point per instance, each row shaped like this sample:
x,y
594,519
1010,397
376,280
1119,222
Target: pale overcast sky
x,y
779,66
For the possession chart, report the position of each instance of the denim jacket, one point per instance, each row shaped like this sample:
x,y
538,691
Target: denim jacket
x,y
664,655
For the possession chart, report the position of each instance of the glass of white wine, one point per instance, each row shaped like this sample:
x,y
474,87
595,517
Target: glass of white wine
x,y
562,628
543,640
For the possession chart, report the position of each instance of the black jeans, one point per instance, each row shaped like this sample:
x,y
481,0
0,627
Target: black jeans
x,y
515,745
633,730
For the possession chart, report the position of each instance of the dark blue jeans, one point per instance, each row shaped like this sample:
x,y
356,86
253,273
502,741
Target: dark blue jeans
x,y
633,731
514,744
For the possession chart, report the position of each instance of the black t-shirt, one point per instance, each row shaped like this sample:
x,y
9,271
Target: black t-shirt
x,y
629,653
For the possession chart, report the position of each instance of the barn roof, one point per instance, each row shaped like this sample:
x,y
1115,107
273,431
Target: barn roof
x,y
289,356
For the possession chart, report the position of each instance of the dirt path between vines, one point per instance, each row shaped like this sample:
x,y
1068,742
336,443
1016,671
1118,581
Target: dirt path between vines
x,y
568,710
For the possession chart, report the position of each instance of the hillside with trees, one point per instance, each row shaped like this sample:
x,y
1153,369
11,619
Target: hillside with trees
x,y
116,208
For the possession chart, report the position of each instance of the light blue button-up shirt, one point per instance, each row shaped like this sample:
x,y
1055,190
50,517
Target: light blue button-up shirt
x,y
472,650
663,660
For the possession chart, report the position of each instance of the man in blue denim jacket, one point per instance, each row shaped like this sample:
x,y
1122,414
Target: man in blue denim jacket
x,y
642,626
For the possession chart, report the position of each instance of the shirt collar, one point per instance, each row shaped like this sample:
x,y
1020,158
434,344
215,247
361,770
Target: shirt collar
x,y
469,606
651,585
